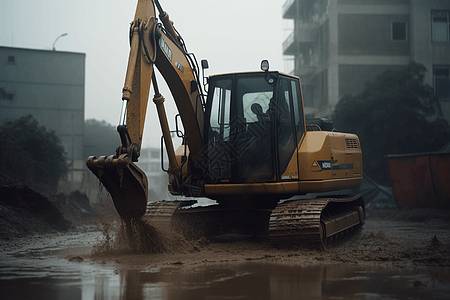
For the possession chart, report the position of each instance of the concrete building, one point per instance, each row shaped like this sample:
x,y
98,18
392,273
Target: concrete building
x,y
336,46
50,86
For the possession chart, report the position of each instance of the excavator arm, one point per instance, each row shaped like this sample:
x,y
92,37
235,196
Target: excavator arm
x,y
159,44
152,44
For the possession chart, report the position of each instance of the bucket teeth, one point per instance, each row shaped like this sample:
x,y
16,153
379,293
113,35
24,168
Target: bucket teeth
x,y
126,183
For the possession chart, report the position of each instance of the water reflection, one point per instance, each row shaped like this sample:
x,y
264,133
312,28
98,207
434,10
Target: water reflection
x,y
252,280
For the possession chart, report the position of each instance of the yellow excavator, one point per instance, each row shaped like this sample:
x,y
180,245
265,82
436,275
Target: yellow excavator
x,y
246,145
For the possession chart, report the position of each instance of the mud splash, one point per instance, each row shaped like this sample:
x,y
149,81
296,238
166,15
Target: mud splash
x,y
135,236
140,236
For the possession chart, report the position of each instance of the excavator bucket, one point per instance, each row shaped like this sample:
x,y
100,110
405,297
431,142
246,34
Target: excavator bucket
x,y
126,183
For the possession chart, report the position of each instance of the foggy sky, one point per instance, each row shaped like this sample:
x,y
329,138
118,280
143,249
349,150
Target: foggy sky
x,y
234,35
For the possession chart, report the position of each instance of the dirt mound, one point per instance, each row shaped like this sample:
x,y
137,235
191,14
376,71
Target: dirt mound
x,y
23,211
382,249
74,207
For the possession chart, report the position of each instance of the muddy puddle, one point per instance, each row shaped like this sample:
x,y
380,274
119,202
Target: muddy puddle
x,y
393,258
62,267
251,280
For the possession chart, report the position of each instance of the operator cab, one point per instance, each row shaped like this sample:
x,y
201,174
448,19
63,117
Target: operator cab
x,y
253,125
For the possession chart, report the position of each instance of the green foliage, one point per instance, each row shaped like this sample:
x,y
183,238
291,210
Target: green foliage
x,y
4,95
396,114
30,153
100,138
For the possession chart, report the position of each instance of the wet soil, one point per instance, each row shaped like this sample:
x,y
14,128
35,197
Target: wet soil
x,y
417,238
381,243
416,241
393,257
25,212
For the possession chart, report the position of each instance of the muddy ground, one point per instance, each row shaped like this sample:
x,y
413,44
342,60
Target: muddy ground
x,y
418,238
401,239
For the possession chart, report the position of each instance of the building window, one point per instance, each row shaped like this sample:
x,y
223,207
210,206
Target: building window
x,y
440,26
441,81
399,31
11,59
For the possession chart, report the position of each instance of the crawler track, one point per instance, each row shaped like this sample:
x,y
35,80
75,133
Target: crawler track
x,y
315,221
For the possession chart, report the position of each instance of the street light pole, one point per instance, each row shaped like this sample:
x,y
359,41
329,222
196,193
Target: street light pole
x,y
64,34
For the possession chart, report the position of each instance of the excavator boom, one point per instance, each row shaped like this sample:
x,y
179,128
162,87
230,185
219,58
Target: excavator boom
x,y
151,44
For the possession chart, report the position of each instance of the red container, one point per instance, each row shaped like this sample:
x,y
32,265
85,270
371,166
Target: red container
x,y
421,180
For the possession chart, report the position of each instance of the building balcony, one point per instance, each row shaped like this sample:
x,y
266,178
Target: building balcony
x,y
288,45
304,72
306,33
289,11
